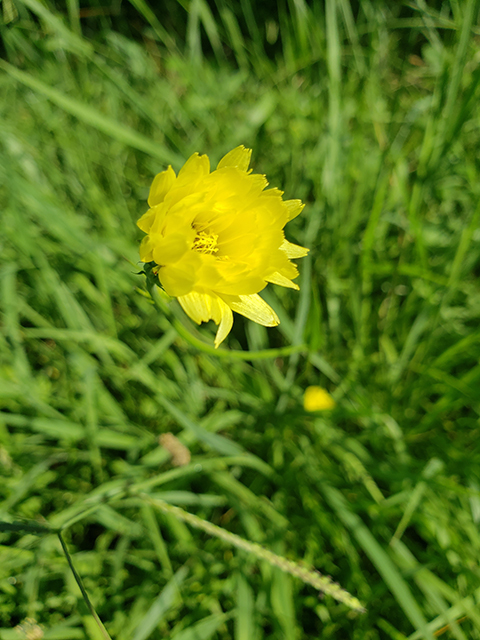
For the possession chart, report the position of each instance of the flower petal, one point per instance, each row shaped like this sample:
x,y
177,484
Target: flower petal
x,y
198,306
179,278
238,157
161,185
293,250
195,167
254,308
146,221
226,323
277,278
170,249
146,254
202,307
294,208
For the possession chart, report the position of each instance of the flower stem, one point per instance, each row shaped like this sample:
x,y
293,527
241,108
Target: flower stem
x,y
231,354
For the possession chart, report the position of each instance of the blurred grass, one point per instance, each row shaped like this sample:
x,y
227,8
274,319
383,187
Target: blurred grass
x,y
369,114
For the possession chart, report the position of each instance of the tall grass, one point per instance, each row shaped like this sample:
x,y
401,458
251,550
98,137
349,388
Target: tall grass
x,y
369,114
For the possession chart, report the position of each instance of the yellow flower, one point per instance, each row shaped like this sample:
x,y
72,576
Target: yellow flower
x,y
215,239
317,399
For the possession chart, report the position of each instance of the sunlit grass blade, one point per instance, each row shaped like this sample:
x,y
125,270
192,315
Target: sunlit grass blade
x,y
168,597
91,116
380,559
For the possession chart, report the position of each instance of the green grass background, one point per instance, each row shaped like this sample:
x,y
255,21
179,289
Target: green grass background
x,y
368,112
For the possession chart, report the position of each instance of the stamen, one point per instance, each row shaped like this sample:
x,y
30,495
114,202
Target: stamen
x,y
205,242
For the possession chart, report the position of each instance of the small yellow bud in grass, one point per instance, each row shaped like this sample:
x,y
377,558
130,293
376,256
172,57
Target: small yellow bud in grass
x,y
317,399
215,239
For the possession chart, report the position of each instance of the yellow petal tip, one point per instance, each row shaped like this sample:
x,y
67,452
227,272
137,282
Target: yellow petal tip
x,y
238,157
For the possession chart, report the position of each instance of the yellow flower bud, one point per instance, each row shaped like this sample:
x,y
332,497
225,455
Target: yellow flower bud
x,y
317,399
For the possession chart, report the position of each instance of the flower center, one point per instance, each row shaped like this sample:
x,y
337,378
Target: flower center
x,y
205,242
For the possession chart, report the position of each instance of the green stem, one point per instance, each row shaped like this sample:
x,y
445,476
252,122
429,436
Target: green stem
x,y
78,580
232,354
